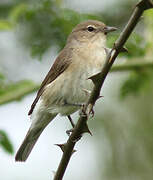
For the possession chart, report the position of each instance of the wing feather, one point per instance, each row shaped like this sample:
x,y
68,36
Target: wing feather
x,y
60,65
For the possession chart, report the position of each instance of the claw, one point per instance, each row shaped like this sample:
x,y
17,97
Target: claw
x,y
87,92
68,132
82,112
92,112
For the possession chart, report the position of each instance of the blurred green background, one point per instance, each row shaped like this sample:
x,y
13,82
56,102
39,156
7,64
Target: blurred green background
x,y
31,35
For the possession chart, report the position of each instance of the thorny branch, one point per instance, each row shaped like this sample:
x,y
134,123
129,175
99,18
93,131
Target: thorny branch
x,y
98,81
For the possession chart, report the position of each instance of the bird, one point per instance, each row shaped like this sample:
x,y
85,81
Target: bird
x,y
67,84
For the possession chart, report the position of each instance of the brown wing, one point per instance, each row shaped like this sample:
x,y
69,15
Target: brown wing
x,y
59,66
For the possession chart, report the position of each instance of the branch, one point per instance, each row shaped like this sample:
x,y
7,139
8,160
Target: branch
x,y
17,91
133,65
98,81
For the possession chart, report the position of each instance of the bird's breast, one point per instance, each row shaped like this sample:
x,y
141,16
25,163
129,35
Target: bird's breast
x,y
85,65
73,86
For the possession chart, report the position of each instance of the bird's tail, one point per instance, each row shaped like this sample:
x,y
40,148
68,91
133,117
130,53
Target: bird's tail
x,y
30,140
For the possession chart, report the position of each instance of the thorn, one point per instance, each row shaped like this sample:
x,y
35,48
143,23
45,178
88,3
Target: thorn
x,y
124,49
63,146
86,129
107,50
95,77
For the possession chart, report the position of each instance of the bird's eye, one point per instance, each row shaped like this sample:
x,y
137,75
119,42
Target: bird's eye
x,y
90,28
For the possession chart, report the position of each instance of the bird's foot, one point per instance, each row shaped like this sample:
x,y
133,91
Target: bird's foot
x,y
92,113
68,132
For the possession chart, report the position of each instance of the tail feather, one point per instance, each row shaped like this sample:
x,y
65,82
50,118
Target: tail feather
x,y
28,144
30,140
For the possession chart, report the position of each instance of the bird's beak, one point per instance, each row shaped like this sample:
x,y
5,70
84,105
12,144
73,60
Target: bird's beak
x,y
108,29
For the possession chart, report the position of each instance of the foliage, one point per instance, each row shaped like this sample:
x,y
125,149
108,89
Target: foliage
x,y
5,142
42,25
138,82
1,77
5,25
46,24
118,12
16,91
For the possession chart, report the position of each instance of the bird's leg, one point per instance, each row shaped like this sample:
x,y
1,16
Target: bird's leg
x,y
68,132
71,121
92,112
69,117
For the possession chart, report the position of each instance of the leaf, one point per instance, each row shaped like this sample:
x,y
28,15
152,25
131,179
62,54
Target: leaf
x,y
136,46
16,91
44,24
5,142
5,25
148,24
138,82
17,11
2,77
38,50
